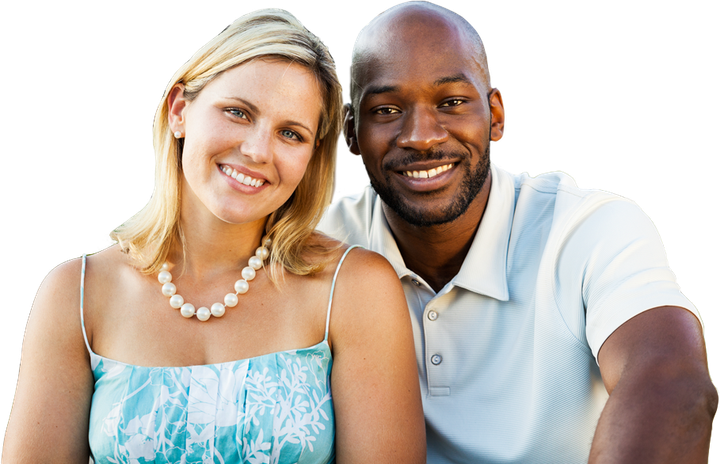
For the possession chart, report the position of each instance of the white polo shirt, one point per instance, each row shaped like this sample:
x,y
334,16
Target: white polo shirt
x,y
507,350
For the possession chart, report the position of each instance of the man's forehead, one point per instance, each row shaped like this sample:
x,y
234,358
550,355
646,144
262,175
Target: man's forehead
x,y
417,42
404,30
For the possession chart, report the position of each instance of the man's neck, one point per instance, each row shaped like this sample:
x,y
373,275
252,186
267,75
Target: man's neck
x,y
436,253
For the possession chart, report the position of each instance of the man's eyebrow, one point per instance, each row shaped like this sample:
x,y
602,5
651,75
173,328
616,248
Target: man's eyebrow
x,y
462,78
380,89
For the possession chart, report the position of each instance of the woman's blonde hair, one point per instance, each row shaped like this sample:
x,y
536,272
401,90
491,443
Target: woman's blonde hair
x,y
149,235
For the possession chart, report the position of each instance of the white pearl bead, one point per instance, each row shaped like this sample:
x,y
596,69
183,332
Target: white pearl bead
x,y
203,314
169,289
176,301
241,286
255,262
187,310
218,309
164,277
262,253
231,300
248,273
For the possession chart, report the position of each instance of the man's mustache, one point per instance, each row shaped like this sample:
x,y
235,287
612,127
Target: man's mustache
x,y
395,164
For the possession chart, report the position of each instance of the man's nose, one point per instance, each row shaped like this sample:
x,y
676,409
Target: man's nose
x,y
421,130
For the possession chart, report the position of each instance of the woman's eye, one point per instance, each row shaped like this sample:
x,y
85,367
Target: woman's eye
x,y
237,112
288,134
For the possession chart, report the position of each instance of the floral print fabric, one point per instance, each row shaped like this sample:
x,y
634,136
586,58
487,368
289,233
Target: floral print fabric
x,y
275,408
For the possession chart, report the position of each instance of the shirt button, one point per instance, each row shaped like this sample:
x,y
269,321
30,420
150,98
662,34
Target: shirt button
x,y
436,359
432,315
417,284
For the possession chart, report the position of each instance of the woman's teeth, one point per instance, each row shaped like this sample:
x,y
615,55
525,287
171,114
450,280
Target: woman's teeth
x,y
243,179
427,174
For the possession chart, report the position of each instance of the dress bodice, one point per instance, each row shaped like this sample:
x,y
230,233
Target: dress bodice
x,y
275,408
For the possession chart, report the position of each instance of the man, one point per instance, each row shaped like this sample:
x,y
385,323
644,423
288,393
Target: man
x,y
531,299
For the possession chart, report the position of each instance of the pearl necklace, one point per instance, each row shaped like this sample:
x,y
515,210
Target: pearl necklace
x,y
231,300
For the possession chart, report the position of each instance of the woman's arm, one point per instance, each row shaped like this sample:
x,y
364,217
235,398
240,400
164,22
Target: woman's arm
x,y
375,388
49,418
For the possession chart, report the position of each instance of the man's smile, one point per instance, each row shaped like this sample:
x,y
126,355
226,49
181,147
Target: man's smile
x,y
428,173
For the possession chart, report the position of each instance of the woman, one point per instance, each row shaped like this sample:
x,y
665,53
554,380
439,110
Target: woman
x,y
117,365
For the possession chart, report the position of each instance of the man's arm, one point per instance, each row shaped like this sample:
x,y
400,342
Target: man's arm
x,y
662,401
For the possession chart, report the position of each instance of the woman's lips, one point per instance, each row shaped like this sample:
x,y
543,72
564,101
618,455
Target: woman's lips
x,y
240,177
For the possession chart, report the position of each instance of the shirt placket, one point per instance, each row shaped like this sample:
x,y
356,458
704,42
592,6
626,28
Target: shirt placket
x,y
429,312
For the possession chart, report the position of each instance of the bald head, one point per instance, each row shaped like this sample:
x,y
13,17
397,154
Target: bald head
x,y
412,26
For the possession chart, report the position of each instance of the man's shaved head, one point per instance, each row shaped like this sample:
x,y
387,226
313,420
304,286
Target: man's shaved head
x,y
392,28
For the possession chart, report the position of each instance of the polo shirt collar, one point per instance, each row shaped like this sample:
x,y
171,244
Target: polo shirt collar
x,y
484,270
383,242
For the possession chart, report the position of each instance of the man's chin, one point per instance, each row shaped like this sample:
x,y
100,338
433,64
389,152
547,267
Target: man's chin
x,y
426,215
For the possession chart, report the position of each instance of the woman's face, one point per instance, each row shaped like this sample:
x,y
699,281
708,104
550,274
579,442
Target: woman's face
x,y
249,136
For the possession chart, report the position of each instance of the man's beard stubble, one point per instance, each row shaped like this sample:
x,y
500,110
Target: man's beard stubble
x,y
468,190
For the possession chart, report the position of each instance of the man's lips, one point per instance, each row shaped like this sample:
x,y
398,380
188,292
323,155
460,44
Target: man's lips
x,y
426,180
427,173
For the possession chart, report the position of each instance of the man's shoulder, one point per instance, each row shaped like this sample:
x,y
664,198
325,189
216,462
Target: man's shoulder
x,y
350,218
558,192
552,184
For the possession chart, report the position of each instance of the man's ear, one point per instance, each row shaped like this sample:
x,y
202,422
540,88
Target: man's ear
x,y
349,129
497,110
177,103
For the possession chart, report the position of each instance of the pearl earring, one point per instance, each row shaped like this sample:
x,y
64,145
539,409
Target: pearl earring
x,y
178,134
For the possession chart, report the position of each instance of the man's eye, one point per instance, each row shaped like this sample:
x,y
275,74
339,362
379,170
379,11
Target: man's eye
x,y
453,102
386,110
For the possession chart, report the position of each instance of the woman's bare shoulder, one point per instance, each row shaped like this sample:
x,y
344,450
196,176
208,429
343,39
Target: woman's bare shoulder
x,y
367,288
71,269
358,262
62,285
368,269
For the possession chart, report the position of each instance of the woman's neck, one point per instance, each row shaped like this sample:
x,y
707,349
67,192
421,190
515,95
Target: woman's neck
x,y
216,246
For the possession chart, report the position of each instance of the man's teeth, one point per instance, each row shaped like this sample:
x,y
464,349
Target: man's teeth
x,y
243,179
427,174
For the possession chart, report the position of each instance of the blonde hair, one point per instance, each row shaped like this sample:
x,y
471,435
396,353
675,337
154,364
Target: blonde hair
x,y
149,235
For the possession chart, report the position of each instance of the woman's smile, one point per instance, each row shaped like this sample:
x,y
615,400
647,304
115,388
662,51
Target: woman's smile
x,y
238,176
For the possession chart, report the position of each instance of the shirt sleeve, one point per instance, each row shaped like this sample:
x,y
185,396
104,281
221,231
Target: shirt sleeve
x,y
622,268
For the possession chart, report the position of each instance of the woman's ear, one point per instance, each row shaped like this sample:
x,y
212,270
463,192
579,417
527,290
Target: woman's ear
x,y
177,103
349,129
499,115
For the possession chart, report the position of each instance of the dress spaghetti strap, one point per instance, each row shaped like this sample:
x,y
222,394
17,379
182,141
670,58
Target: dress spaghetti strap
x,y
332,289
82,302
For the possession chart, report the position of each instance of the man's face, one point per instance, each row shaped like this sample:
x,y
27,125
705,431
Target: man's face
x,y
423,121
